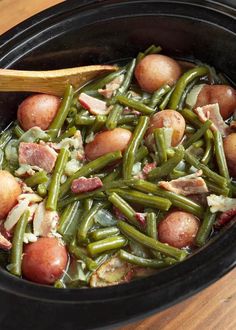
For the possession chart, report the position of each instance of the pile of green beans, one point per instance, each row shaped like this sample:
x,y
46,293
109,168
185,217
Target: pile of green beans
x,y
120,219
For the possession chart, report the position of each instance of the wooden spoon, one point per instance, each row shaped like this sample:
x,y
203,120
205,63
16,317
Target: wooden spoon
x,y
50,82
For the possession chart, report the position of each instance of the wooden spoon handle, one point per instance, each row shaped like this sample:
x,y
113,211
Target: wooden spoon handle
x,y
50,82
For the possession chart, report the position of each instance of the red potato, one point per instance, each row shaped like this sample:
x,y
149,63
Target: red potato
x,y
106,142
9,191
222,94
169,118
230,152
155,70
178,229
44,260
38,110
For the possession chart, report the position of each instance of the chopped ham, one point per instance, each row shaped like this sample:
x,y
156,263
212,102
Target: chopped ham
x,y
186,185
4,243
148,168
111,87
93,105
141,218
37,155
45,221
226,217
84,185
212,112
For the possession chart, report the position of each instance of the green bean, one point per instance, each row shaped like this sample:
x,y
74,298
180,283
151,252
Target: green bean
x,y
129,155
167,167
17,244
160,144
67,134
67,217
185,93
158,94
182,83
117,109
141,153
102,233
90,168
199,133
151,225
166,99
84,120
128,127
179,201
137,105
54,187
5,137
214,188
198,144
37,178
62,113
98,124
112,176
124,208
127,119
133,196
190,116
209,147
78,253
114,116
141,262
205,228
150,50
193,161
133,233
220,155
189,129
18,131
87,222
107,244
87,204
175,174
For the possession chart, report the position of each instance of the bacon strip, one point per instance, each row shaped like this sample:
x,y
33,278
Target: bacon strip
x,y
186,185
37,155
111,87
84,185
212,112
93,105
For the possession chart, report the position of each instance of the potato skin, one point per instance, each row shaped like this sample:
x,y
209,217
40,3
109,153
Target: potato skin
x,y
9,191
230,152
169,118
155,70
108,141
178,229
222,94
44,260
38,110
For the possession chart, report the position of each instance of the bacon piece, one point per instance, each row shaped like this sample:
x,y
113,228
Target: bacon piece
x,y
146,169
93,105
212,112
4,243
186,185
111,87
226,217
45,221
84,184
37,155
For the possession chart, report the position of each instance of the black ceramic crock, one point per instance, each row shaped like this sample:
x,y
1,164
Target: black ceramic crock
x,y
88,32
